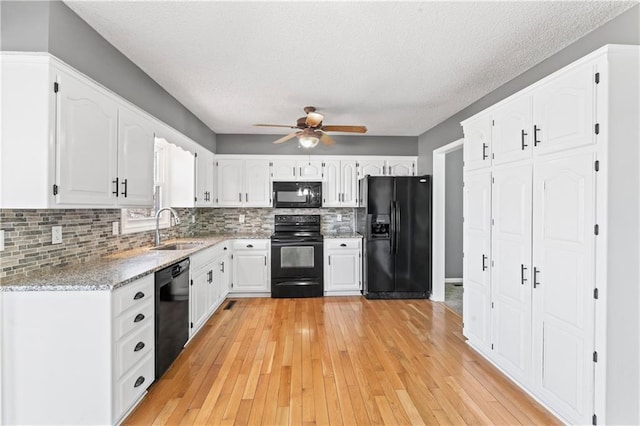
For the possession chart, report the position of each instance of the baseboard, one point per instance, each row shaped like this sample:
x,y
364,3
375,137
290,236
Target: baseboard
x,y
453,280
233,295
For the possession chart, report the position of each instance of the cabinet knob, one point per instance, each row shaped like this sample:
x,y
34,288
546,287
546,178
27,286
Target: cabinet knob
x,y
139,381
249,245
139,347
139,295
343,245
138,318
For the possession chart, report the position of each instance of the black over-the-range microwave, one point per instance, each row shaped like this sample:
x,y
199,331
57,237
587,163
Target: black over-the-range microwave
x,y
297,194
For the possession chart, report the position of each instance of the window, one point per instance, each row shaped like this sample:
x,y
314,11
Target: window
x,y
143,219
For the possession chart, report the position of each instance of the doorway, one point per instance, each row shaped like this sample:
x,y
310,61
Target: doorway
x,y
447,225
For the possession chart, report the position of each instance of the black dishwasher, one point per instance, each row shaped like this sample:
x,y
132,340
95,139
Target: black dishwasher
x,y
172,313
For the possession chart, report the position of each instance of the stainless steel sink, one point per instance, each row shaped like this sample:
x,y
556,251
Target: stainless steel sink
x,y
178,246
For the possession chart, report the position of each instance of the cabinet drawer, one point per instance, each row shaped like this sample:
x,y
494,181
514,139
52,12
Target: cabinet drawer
x,y
336,244
133,385
202,258
251,244
133,319
133,348
132,294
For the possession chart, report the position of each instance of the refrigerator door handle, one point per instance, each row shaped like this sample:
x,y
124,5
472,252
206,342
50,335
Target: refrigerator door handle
x,y
397,227
392,231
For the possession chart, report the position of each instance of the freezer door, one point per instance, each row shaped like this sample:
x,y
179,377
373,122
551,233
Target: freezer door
x,y
379,193
379,264
412,246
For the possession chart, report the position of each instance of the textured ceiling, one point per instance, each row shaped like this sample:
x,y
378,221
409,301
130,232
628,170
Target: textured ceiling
x,y
399,68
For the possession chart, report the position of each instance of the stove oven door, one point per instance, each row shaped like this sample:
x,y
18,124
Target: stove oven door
x,y
296,268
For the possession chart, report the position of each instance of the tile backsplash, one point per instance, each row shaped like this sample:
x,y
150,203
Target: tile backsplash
x,y
87,233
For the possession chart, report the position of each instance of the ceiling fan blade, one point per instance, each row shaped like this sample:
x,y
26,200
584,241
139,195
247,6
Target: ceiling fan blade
x,y
314,119
350,129
327,140
275,125
286,138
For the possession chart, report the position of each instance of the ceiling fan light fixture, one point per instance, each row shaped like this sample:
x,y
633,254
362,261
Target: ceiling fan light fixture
x,y
314,119
308,141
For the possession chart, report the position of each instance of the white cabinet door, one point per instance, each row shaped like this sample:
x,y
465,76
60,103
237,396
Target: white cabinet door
x,y
563,111
257,190
371,167
230,182
563,283
179,188
309,170
401,167
87,144
477,143
349,178
250,271
135,159
511,272
477,259
204,179
511,138
198,298
332,185
284,170
343,270
221,275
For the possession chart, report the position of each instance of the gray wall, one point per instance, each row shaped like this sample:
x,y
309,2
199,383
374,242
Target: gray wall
x,y
345,145
453,215
52,27
625,29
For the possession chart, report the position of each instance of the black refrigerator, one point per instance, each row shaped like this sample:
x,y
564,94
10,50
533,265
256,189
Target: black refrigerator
x,y
395,219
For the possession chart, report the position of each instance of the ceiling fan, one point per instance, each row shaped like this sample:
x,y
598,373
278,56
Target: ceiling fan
x,y
311,130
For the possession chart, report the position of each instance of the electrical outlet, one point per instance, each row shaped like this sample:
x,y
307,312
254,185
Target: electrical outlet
x,y
241,218
339,218
1,240
193,218
56,235
115,228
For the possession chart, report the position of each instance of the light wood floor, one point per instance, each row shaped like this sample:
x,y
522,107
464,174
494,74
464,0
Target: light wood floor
x,y
343,360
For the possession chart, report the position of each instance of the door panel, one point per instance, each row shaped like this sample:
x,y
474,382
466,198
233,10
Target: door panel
x,y
371,168
413,234
135,159
563,305
511,134
331,184
511,284
87,143
477,143
257,184
349,175
380,266
563,111
230,182
477,255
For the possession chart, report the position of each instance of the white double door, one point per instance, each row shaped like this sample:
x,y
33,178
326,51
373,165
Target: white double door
x,y
529,276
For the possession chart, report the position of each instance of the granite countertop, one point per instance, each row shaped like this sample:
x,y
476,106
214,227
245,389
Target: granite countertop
x,y
329,236
114,271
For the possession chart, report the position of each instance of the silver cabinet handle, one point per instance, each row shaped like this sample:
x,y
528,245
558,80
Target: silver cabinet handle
x,y
523,269
246,197
300,172
294,171
329,260
484,259
536,271
222,267
240,196
265,261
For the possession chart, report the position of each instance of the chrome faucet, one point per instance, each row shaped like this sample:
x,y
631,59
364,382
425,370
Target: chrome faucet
x,y
175,218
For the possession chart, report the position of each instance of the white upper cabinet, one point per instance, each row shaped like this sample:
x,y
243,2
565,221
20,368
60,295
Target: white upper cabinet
x,y
563,111
297,170
257,184
205,194
371,167
230,182
477,143
340,186
243,183
401,167
512,135
87,144
135,159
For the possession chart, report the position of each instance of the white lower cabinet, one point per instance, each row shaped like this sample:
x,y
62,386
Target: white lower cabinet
x,y
209,284
342,266
77,357
251,266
